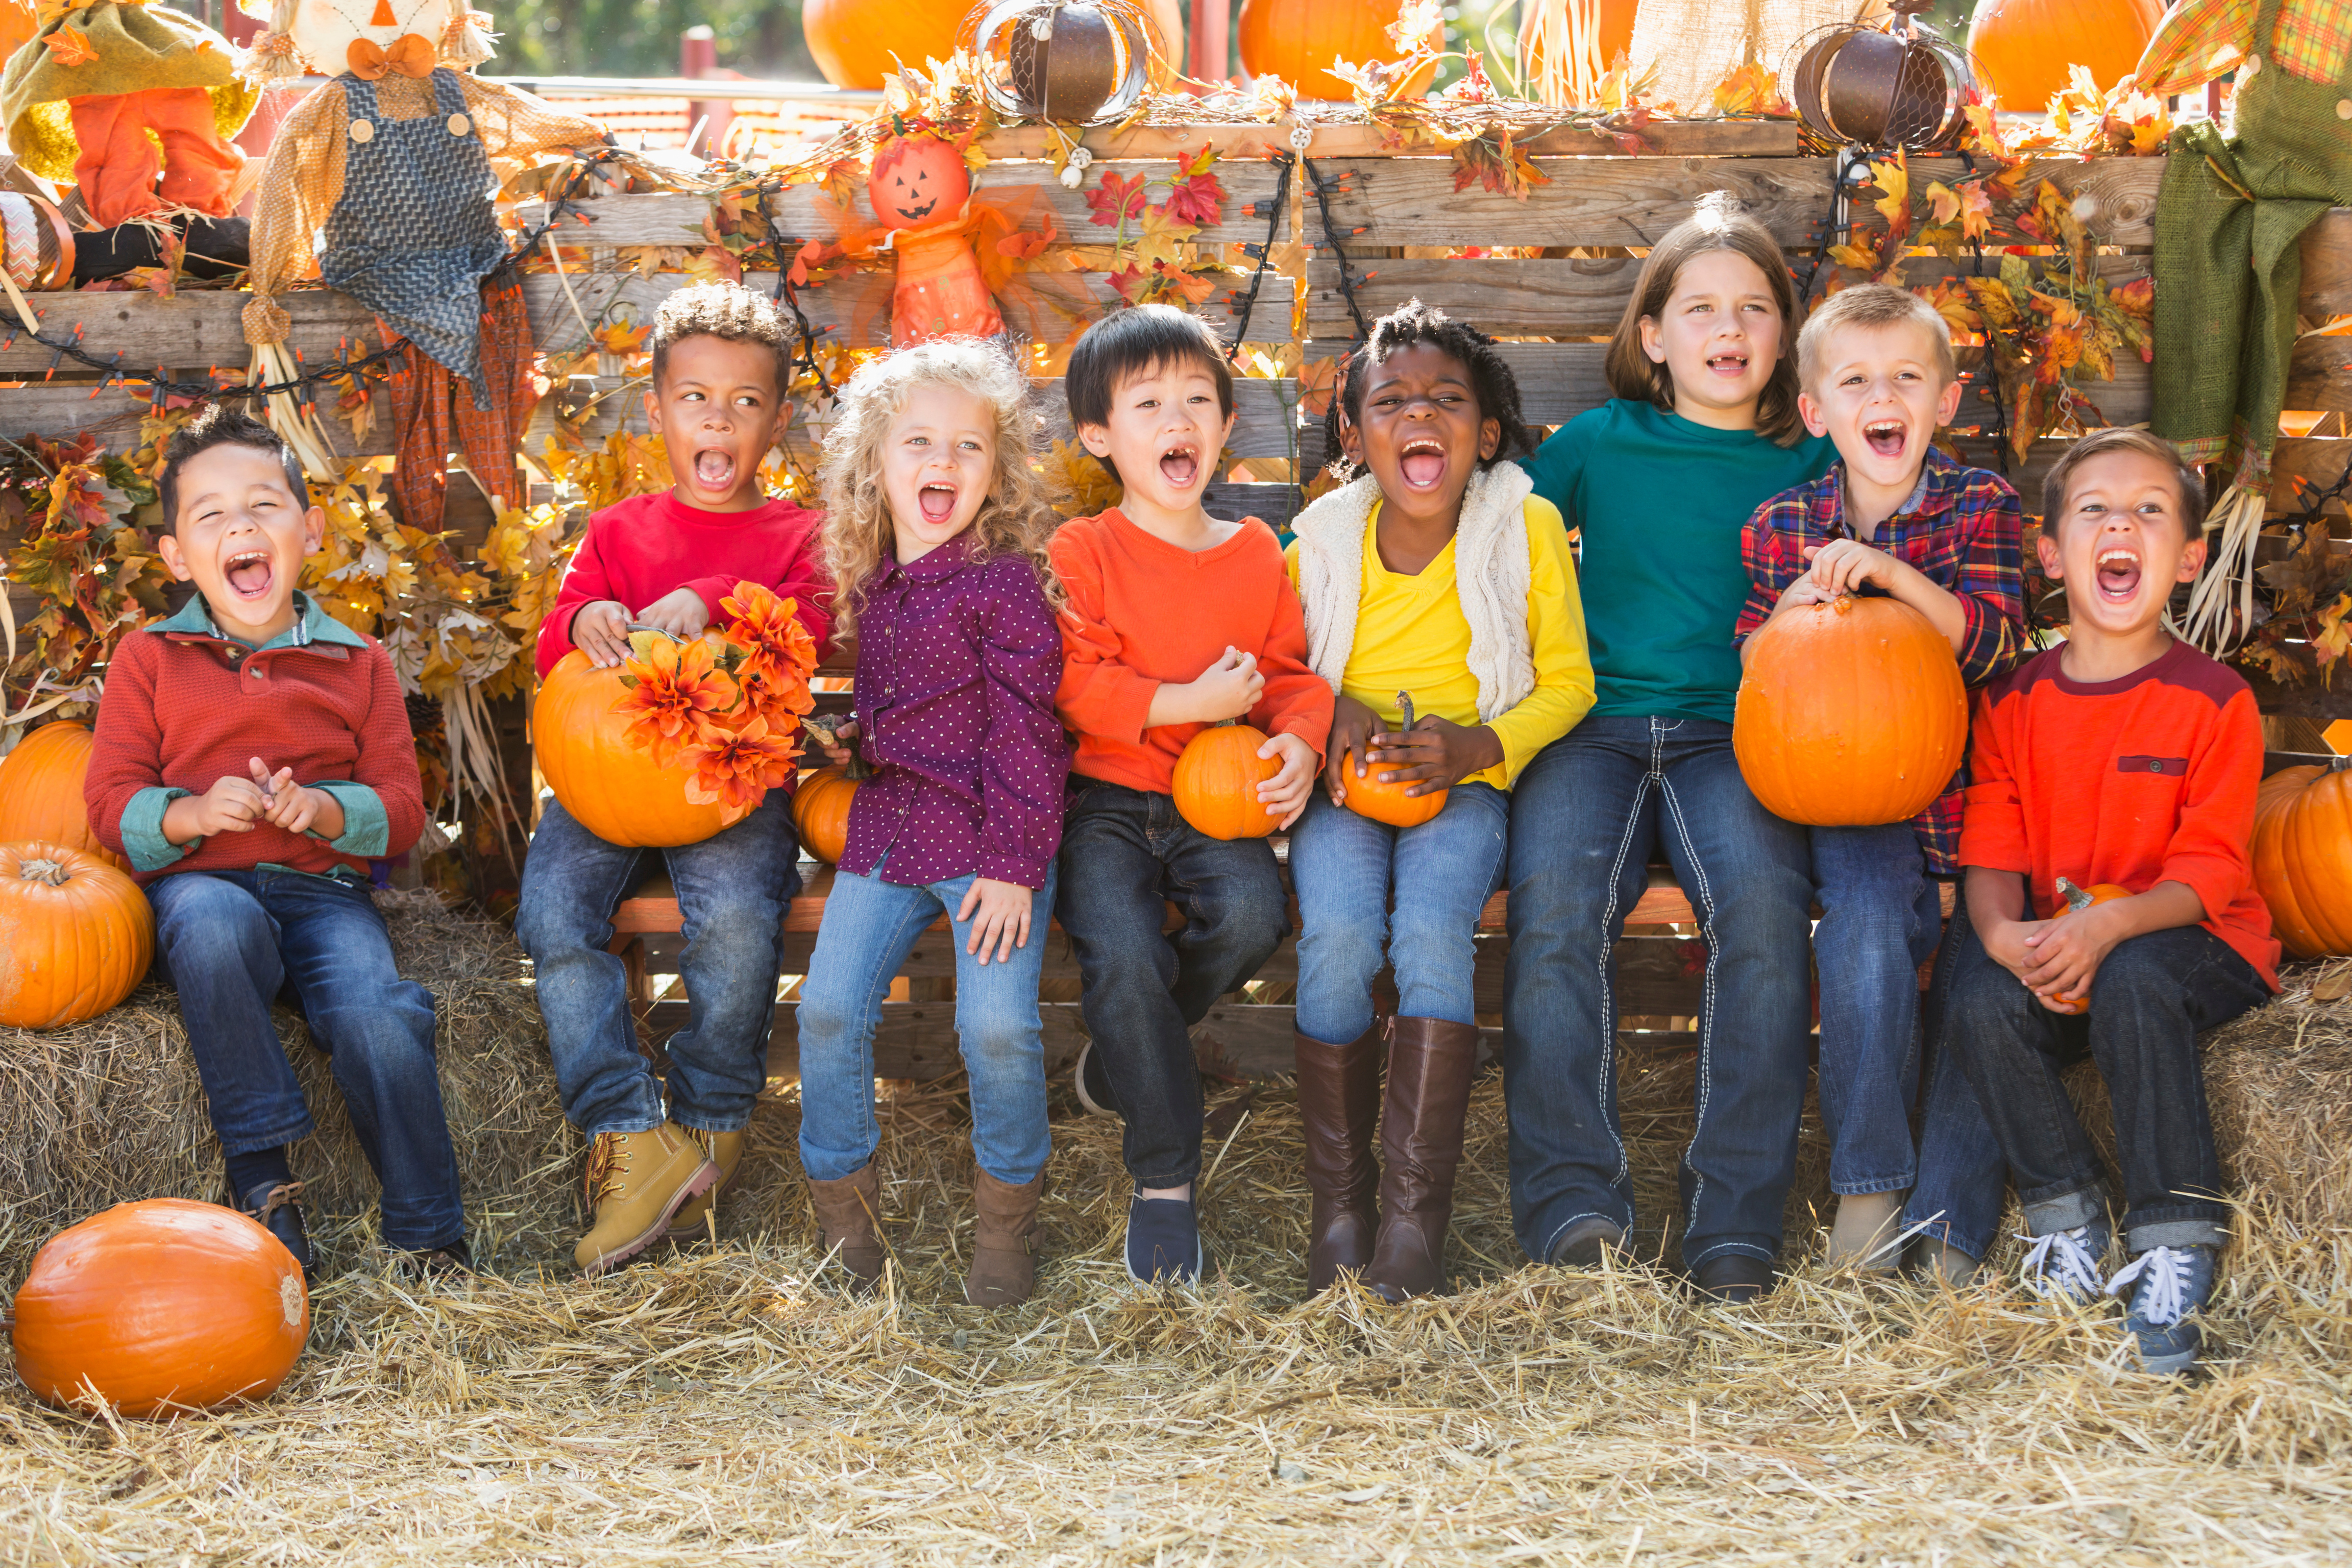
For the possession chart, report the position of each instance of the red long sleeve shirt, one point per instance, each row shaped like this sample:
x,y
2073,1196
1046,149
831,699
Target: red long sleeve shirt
x,y
2144,780
1143,613
639,549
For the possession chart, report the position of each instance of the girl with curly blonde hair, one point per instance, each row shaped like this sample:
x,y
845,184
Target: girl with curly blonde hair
x,y
935,530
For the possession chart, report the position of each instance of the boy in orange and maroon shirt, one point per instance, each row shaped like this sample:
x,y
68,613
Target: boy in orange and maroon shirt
x,y
1176,621
2123,757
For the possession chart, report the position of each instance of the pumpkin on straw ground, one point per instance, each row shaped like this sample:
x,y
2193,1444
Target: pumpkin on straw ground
x,y
76,935
41,795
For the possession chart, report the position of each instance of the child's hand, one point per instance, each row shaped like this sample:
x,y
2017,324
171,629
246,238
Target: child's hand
x,y
837,743
231,806
601,630
1286,793
2064,955
1352,725
680,611
1003,918
297,808
1844,565
1805,590
1435,753
1228,689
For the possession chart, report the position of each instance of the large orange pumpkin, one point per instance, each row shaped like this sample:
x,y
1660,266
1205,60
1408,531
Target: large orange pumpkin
x,y
2302,857
1851,713
40,791
1216,779
76,935
606,781
161,1305
2022,48
1298,40
2078,899
820,810
857,43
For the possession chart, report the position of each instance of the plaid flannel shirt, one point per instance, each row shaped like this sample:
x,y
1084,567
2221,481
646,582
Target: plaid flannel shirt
x,y
1961,528
2198,42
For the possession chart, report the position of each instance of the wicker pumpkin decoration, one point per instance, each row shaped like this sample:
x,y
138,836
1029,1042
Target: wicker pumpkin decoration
x,y
1216,779
40,792
1851,713
856,44
1381,796
158,1306
2023,47
610,785
76,936
2302,857
820,810
2078,899
1298,39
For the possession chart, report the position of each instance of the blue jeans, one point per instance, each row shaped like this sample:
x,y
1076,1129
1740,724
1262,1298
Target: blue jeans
x,y
229,941
1125,855
1442,871
1963,1180
1586,815
1881,919
869,926
732,890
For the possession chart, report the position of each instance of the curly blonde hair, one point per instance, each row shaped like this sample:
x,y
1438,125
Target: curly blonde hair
x,y
1014,518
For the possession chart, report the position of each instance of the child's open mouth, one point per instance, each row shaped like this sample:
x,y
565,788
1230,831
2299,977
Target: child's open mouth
x,y
938,502
714,469
1728,364
1422,462
249,574
1886,436
1180,466
2118,575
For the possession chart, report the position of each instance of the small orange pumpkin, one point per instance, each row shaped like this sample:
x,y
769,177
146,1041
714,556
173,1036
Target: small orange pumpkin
x,y
76,936
917,180
2302,857
1851,713
605,781
821,809
1216,779
1379,795
161,1305
2078,899
40,792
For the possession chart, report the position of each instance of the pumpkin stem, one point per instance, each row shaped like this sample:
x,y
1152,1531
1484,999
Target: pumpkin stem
x,y
642,627
2076,900
2339,764
1404,707
53,872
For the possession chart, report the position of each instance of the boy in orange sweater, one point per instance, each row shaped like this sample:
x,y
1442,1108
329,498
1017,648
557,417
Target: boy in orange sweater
x,y
2126,757
1176,621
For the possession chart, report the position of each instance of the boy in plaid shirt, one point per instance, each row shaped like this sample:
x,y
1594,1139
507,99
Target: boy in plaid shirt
x,y
1892,516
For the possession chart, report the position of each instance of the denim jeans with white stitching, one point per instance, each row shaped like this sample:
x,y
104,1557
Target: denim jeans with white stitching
x,y
1586,817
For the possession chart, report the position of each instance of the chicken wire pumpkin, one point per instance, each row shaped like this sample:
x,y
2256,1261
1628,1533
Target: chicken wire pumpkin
x,y
1904,85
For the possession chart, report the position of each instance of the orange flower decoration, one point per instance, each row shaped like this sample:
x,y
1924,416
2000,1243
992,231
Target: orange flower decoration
x,y
679,699
739,767
778,655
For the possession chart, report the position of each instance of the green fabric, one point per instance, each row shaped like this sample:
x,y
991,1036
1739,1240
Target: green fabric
x,y
2229,265
367,827
138,47
143,829
312,624
1660,502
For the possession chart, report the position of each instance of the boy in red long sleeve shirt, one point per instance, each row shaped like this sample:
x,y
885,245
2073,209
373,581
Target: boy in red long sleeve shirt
x,y
2123,757
1175,621
719,369
252,756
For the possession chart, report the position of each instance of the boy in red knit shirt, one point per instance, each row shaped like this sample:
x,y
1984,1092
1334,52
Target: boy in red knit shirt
x,y
719,369
2126,757
1176,621
252,756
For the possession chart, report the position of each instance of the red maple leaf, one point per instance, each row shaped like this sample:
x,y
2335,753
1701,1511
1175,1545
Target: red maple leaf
x,y
1118,200
1200,201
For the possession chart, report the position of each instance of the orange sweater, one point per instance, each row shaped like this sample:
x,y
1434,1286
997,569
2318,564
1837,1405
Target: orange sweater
x,y
2139,780
1143,613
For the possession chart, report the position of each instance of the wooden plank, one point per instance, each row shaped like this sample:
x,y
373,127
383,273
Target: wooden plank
x,y
1673,139
1634,201
2319,376
2327,267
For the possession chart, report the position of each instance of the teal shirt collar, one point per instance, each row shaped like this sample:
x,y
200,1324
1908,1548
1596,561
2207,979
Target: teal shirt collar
x,y
311,624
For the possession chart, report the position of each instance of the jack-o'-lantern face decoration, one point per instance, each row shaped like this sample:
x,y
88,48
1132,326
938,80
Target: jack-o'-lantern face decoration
x,y
361,36
917,180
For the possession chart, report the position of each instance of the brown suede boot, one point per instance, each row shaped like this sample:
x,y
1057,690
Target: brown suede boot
x,y
726,1151
637,1181
1430,1062
847,1214
1340,1107
1004,1269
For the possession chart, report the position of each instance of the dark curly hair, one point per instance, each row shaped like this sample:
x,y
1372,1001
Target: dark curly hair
x,y
1411,324
222,425
728,311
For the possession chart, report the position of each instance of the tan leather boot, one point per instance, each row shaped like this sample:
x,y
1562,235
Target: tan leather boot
x,y
1340,1108
1003,1268
847,1214
637,1181
1866,1222
1430,1063
726,1151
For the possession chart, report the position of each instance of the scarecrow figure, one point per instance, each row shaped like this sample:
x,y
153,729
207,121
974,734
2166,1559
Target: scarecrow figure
x,y
395,162
135,103
2228,226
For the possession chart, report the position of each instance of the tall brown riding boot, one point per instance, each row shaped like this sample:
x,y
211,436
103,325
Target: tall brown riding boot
x,y
1340,1107
1004,1269
847,1212
1430,1062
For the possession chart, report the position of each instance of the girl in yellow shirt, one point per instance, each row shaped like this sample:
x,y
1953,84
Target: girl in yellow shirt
x,y
1436,575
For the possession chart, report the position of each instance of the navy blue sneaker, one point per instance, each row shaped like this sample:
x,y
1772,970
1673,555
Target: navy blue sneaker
x,y
1163,1241
2069,1266
2168,1286
279,1206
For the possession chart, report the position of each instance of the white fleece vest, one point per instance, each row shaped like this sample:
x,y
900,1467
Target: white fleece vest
x,y
1490,576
